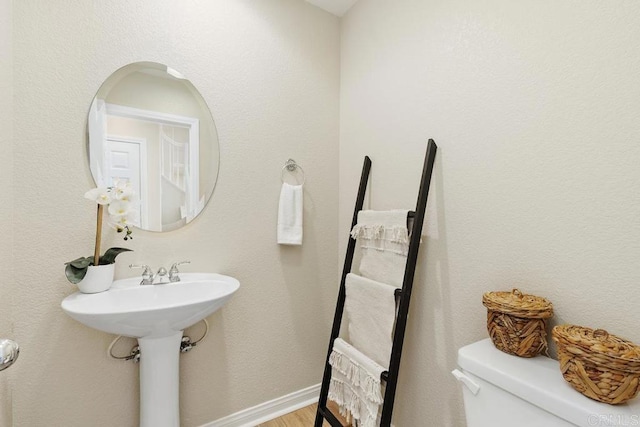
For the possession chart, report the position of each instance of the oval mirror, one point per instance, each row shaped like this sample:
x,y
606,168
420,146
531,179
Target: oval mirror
x,y
150,126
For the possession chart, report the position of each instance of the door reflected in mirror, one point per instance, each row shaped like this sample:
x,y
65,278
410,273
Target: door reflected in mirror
x,y
150,127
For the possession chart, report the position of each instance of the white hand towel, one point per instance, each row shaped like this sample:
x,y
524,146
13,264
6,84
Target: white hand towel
x,y
370,309
384,239
290,215
355,384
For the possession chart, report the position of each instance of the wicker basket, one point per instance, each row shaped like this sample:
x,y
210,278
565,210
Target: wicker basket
x,y
516,322
601,366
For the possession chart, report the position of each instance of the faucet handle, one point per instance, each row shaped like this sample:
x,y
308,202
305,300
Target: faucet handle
x,y
147,269
147,274
175,265
173,271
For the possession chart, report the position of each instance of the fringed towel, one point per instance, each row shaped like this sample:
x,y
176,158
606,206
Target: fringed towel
x,y
384,239
290,209
355,384
370,309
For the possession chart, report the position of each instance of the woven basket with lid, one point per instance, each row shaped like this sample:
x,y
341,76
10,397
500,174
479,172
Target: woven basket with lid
x,y
599,365
516,322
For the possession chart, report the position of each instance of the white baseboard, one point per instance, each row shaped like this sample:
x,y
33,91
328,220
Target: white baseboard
x,y
267,411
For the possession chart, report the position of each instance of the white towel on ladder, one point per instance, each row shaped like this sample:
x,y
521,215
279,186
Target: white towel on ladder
x,y
384,240
290,209
370,309
355,384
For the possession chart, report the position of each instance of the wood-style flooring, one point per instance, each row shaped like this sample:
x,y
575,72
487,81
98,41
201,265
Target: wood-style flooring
x,y
304,417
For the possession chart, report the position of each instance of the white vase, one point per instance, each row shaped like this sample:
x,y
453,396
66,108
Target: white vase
x,y
98,279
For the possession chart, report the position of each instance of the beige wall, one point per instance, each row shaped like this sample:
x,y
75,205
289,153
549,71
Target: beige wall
x,y
6,198
535,108
270,73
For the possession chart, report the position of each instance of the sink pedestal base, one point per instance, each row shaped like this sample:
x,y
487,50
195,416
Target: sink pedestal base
x,y
159,381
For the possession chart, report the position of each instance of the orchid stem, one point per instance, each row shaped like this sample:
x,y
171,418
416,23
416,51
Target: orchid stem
x,y
96,253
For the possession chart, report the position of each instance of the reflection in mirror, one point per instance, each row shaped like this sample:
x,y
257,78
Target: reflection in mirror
x,y
149,126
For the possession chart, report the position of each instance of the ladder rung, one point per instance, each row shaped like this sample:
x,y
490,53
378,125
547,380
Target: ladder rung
x,y
397,294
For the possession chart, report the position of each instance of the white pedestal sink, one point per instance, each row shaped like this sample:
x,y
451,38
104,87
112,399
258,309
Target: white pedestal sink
x,y
156,315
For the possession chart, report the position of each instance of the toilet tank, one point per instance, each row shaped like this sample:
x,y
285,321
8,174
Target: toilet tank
x,y
501,390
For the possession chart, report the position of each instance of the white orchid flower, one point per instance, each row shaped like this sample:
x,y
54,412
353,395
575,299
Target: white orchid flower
x,y
100,195
123,191
119,208
119,221
122,223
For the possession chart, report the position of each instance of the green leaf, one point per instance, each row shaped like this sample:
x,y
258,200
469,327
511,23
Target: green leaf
x,y
82,262
110,255
75,274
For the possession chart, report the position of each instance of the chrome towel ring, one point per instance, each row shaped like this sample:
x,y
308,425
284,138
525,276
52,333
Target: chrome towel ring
x,y
9,352
292,166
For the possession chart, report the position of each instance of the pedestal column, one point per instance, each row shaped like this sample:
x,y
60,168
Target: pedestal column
x,y
159,381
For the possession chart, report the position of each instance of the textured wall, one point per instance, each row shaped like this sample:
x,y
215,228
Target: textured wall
x,y
269,71
535,108
6,198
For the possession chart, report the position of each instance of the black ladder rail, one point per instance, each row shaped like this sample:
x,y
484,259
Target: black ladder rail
x,y
322,411
407,285
391,375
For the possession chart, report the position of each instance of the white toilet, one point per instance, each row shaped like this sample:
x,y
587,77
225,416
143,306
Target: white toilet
x,y
501,390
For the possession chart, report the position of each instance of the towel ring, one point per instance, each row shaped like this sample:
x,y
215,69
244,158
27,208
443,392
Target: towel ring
x,y
291,166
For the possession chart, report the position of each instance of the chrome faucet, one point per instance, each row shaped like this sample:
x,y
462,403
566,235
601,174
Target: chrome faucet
x,y
173,271
147,274
161,275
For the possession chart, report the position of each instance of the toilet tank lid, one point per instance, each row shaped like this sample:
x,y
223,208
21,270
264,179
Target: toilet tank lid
x,y
538,380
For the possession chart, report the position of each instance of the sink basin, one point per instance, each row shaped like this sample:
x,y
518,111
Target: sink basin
x,y
136,311
156,316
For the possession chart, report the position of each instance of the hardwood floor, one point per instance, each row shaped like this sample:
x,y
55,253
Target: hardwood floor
x,y
301,418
